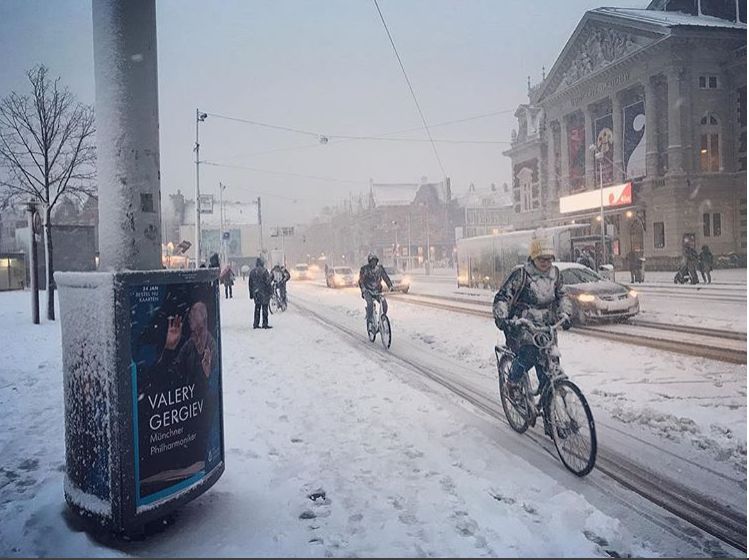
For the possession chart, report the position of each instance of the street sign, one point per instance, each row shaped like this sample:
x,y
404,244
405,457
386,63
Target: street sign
x,y
226,235
206,204
283,231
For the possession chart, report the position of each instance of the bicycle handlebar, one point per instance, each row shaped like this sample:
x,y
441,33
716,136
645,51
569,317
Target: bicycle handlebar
x,y
534,327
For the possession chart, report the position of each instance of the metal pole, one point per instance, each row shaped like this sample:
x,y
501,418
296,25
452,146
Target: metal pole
x,y
221,220
397,252
260,223
197,188
603,223
409,240
33,267
428,262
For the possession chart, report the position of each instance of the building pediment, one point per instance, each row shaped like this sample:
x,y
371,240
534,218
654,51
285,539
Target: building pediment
x,y
593,47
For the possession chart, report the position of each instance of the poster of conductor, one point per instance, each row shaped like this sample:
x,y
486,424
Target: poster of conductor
x,y
176,369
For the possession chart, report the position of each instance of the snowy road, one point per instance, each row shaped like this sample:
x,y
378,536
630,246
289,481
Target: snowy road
x,y
405,466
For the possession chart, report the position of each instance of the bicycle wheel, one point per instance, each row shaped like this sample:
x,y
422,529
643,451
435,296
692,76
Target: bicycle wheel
x,y
516,413
273,307
573,428
386,335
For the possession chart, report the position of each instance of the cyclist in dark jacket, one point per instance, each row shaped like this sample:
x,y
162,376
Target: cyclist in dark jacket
x,y
260,292
371,277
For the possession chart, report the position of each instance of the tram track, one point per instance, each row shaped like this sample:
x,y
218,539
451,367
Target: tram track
x,y
714,344
716,519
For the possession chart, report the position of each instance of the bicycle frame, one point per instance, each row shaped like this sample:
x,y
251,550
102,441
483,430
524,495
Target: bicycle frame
x,y
545,339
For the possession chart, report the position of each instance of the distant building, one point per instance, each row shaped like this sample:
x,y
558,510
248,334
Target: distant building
x,y
661,94
486,210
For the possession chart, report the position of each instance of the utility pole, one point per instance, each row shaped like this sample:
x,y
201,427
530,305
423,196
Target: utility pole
x,y
410,265
260,223
222,221
199,118
34,221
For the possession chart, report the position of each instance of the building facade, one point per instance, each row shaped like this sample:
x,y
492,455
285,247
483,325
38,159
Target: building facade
x,y
646,107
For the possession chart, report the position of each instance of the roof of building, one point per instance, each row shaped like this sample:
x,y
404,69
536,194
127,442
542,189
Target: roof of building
x,y
669,19
475,198
394,194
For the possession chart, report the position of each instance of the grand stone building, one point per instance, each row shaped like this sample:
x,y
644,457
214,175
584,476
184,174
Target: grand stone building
x,y
651,104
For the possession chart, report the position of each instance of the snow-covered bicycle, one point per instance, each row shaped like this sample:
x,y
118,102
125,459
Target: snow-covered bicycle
x,y
380,322
559,401
277,303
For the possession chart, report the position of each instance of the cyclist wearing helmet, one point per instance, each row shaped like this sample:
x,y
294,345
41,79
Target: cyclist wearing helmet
x,y
371,277
532,291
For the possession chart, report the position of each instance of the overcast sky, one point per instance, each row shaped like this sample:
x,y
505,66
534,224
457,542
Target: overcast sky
x,y
325,67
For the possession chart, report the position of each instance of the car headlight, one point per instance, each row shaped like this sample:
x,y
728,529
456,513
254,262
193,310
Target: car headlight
x,y
632,293
586,298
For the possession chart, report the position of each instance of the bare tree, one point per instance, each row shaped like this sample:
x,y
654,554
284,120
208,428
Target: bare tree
x,y
46,152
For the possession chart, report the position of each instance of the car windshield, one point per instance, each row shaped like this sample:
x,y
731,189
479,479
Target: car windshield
x,y
579,276
302,267
342,270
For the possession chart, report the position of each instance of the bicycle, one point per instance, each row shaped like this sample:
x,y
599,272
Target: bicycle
x,y
382,323
276,302
560,402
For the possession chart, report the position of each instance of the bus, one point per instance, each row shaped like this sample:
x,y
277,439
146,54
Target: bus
x,y
485,261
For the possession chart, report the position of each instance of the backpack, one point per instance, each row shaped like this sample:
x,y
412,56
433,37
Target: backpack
x,y
516,295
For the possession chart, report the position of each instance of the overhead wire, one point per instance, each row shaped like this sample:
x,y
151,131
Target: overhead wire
x,y
410,87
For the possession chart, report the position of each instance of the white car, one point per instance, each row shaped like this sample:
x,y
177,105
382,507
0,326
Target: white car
x,y
595,298
301,272
341,277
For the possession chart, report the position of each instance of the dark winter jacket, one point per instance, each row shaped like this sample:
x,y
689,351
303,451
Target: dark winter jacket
x,y
372,277
706,260
530,294
260,284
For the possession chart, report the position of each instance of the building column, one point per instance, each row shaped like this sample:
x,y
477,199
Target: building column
x,y
590,172
616,114
651,132
552,180
564,153
675,101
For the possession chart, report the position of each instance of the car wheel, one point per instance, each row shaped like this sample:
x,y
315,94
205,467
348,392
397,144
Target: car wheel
x,y
405,290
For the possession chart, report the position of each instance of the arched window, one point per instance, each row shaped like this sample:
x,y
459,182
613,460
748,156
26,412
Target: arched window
x,y
709,143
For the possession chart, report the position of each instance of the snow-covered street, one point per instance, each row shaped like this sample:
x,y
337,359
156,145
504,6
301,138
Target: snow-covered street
x,y
335,448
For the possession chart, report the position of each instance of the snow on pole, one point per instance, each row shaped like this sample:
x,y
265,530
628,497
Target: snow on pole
x,y
127,135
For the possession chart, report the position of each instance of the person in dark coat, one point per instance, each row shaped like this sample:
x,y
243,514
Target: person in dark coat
x,y
692,259
371,277
227,279
260,292
213,261
706,264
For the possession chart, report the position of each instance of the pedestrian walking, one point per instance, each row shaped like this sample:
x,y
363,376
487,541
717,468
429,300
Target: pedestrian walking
x,y
227,279
692,258
260,292
706,264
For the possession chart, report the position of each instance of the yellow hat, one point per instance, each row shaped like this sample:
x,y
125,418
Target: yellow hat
x,y
541,248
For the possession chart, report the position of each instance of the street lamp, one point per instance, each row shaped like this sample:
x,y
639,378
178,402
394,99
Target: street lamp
x,y
222,219
395,249
599,156
199,118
